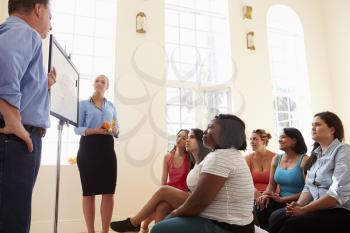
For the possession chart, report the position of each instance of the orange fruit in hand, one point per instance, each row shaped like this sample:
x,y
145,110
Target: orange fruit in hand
x,y
106,125
72,160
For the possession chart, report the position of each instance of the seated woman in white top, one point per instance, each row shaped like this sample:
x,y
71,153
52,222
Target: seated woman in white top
x,y
222,190
166,198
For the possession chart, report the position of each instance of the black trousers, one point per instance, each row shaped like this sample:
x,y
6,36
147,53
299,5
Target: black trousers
x,y
322,221
262,216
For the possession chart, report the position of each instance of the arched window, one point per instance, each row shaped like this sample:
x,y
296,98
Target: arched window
x,y
86,29
288,69
199,61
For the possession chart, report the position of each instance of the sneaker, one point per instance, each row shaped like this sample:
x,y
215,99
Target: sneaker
x,y
124,226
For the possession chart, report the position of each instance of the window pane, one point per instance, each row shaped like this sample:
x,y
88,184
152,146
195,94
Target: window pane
x,y
104,47
187,20
187,115
172,35
288,69
174,53
85,88
85,8
198,48
171,18
202,22
172,129
105,28
173,96
63,6
282,103
66,41
173,114
86,29
83,64
187,37
83,45
63,23
189,55
186,98
84,26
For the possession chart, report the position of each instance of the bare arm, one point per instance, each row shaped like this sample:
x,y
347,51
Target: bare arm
x,y
208,187
290,198
13,123
325,202
302,165
247,159
271,187
263,200
165,170
304,199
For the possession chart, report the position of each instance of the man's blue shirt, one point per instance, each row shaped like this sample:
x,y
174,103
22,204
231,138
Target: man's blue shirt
x,y
23,79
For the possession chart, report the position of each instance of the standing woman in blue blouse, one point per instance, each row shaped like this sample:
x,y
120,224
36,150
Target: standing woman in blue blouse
x,y
324,205
97,161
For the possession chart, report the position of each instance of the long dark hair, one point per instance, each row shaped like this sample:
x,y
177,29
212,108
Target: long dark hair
x,y
181,130
331,120
232,132
203,151
300,146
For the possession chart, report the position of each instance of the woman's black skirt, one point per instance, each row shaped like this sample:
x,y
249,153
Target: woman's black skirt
x,y
97,164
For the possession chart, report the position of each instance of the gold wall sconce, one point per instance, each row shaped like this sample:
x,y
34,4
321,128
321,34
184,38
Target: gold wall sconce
x,y
141,21
250,40
247,12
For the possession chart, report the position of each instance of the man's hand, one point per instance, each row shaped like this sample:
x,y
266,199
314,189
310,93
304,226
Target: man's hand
x,y
13,123
18,130
51,77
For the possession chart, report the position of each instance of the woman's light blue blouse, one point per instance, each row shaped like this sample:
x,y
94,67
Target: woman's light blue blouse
x,y
91,116
330,175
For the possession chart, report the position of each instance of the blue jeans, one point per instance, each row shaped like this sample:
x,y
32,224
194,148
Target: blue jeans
x,y
18,171
187,225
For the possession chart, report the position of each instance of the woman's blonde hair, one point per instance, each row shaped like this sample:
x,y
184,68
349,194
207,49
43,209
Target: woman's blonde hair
x,y
265,136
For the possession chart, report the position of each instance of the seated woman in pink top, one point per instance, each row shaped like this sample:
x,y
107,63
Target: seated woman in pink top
x,y
259,161
176,165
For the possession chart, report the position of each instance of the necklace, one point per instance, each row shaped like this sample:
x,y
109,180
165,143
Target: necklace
x,y
96,105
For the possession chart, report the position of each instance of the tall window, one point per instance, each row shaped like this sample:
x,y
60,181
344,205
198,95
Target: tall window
x,y
86,29
288,70
200,67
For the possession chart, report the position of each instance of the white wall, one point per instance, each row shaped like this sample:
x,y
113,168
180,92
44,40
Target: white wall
x,y
253,78
3,10
139,81
336,19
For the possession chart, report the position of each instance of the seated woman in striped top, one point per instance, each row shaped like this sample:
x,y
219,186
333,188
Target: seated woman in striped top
x,y
222,190
167,197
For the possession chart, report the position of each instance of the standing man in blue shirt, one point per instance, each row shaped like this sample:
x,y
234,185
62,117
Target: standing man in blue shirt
x,y
24,108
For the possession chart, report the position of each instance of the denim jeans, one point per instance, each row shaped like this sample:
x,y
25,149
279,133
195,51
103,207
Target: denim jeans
x,y
190,225
18,171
